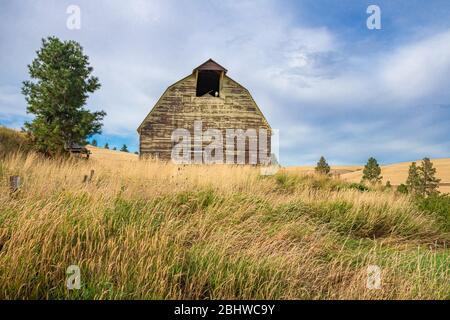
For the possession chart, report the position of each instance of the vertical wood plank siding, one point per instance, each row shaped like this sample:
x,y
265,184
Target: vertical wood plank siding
x,y
179,108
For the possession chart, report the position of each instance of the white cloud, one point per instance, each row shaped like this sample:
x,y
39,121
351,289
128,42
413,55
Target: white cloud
x,y
418,69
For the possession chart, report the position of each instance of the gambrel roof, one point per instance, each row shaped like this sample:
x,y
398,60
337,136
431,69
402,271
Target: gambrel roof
x,y
208,65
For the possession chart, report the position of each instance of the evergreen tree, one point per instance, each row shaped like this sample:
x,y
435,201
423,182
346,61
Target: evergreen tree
x,y
106,146
413,182
56,95
94,143
124,148
428,181
322,166
372,171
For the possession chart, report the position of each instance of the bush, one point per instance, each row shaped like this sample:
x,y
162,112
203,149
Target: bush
x,y
438,205
358,186
402,189
342,186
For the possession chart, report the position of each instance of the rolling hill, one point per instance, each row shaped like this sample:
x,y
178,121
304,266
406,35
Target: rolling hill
x,y
334,169
396,173
108,154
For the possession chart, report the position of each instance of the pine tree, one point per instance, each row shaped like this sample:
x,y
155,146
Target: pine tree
x,y
372,171
428,181
94,143
322,166
106,146
56,95
413,182
124,148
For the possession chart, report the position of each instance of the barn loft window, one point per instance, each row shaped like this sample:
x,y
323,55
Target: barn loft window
x,y
208,83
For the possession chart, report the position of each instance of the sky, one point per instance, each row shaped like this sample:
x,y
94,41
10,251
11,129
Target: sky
x,y
327,82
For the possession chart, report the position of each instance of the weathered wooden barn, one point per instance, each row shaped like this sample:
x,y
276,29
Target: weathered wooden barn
x,y
208,95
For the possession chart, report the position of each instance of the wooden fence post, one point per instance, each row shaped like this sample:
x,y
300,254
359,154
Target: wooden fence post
x,y
88,178
14,183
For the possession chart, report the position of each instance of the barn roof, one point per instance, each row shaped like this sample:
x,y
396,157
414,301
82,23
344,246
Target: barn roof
x,y
210,65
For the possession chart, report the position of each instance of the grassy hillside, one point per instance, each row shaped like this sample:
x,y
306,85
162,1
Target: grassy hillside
x,y
108,154
143,229
12,141
398,173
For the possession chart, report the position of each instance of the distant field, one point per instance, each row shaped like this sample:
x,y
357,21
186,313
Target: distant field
x,y
108,154
397,173
334,169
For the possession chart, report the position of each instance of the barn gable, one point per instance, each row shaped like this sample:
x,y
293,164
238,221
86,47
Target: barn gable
x,y
230,106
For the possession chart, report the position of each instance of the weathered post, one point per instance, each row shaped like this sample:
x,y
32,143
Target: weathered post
x,y
88,178
14,183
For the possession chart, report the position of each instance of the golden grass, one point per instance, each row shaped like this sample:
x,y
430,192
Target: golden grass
x,y
98,153
398,173
149,230
12,140
338,170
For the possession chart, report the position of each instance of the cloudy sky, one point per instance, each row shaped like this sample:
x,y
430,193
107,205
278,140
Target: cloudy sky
x,y
328,83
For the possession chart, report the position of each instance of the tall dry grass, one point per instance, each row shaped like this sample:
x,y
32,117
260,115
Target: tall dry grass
x,y
145,229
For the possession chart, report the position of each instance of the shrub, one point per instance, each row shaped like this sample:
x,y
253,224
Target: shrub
x,y
358,186
438,205
286,182
402,189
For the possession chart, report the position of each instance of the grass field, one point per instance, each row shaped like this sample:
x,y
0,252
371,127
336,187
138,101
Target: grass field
x,y
149,230
101,154
335,170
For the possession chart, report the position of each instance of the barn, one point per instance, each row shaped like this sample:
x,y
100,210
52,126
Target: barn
x,y
206,101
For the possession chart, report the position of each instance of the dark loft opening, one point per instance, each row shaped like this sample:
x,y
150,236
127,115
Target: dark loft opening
x,y
208,83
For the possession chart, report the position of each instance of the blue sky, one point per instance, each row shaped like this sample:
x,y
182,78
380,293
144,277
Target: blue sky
x,y
328,83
